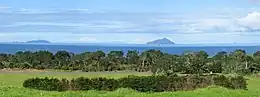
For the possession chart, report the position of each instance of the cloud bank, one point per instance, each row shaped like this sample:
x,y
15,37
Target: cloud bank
x,y
87,26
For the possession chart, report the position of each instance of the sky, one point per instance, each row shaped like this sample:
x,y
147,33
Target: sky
x,y
130,21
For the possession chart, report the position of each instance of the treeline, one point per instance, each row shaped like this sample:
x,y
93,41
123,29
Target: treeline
x,y
159,83
155,61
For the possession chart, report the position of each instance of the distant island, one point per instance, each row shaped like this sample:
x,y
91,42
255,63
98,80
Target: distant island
x,y
161,41
38,41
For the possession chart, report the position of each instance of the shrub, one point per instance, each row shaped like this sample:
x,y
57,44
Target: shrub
x,y
221,80
104,84
81,84
2,66
238,82
198,81
65,84
47,84
138,83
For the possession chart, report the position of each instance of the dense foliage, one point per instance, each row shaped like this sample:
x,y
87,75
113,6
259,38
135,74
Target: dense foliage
x,y
139,83
151,60
52,84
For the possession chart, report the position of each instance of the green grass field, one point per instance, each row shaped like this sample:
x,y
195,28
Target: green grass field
x,y
11,86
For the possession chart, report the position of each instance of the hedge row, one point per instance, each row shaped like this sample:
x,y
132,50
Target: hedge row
x,y
139,83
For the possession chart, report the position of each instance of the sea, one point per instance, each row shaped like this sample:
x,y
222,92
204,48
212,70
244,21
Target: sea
x,y
172,49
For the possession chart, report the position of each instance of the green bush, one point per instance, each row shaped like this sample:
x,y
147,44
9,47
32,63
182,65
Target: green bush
x,y
104,84
221,80
81,84
197,81
139,83
47,84
65,84
142,84
238,82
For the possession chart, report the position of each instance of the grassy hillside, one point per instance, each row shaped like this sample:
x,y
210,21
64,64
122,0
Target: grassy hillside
x,y
11,86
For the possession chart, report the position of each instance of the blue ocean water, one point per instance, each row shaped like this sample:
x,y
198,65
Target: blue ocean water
x,y
176,49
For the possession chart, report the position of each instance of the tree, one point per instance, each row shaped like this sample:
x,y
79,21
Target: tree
x,y
24,58
3,60
154,56
217,62
195,62
256,54
238,54
249,62
115,59
168,64
3,57
85,57
43,59
255,67
96,59
148,60
221,55
236,62
62,58
132,58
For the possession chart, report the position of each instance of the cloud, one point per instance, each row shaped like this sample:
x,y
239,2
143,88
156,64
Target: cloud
x,y
33,11
76,27
251,22
217,25
80,9
84,25
248,23
80,20
44,24
4,7
87,39
127,23
55,11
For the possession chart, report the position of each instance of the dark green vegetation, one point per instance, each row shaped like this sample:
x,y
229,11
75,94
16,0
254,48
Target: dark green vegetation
x,y
157,62
138,83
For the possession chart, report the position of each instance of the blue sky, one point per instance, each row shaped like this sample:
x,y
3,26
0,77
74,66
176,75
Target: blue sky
x,y
131,21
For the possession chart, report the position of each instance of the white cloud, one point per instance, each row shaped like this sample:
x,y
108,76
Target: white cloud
x,y
216,25
242,20
248,23
140,39
44,24
33,11
80,9
251,21
188,28
87,39
118,22
52,10
93,24
4,7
